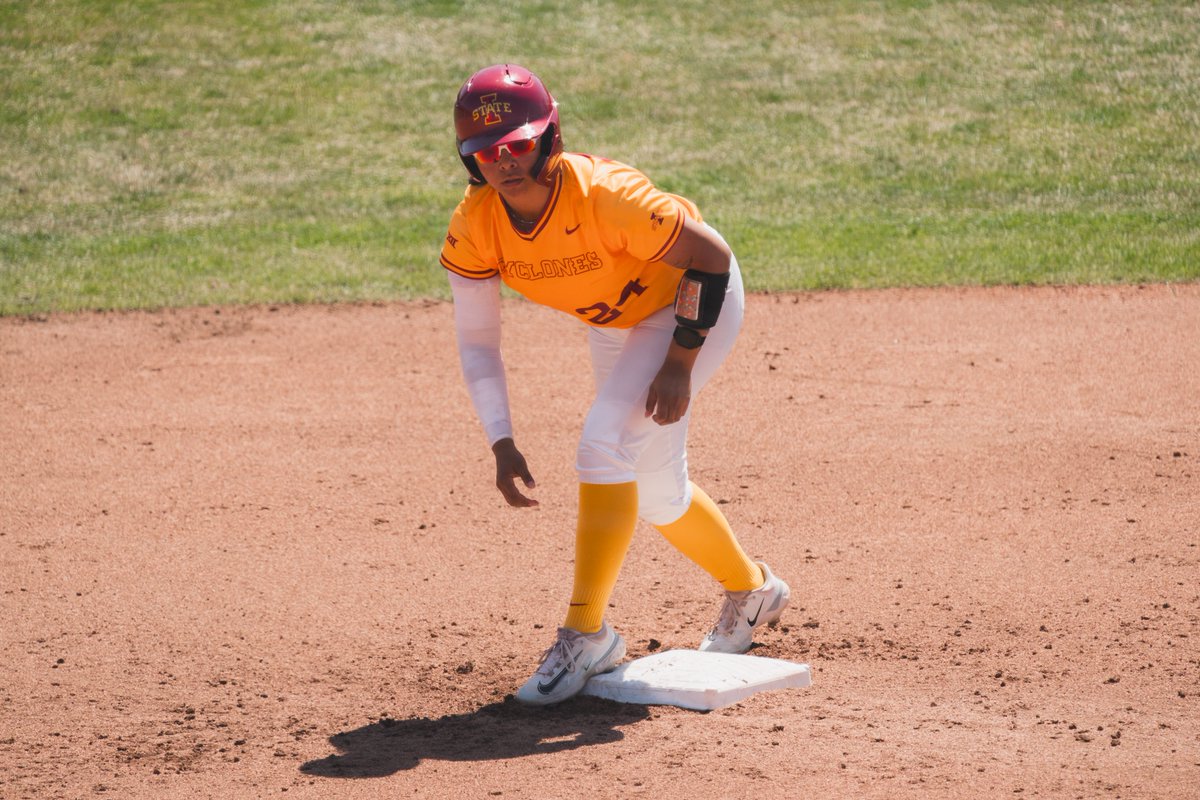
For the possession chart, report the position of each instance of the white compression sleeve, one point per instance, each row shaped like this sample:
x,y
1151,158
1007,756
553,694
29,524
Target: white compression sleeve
x,y
477,325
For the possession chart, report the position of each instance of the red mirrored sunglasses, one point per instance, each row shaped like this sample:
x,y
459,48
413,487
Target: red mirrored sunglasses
x,y
490,155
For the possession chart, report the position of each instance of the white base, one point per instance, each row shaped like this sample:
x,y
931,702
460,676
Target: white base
x,y
696,680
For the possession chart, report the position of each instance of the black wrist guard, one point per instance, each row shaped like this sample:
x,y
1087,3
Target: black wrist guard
x,y
699,297
688,338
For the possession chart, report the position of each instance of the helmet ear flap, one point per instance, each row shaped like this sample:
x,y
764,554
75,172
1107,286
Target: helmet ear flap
x,y
476,178
547,163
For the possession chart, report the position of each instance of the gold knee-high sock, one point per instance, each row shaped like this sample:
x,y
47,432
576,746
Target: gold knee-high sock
x,y
703,535
607,518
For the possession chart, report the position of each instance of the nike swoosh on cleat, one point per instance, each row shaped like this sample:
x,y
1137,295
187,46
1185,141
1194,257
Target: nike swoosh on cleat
x,y
572,230
547,688
752,621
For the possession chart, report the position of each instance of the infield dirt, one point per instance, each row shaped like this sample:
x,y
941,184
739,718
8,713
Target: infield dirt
x,y
254,551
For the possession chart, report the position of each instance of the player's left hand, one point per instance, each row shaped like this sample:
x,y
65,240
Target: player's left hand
x,y
670,392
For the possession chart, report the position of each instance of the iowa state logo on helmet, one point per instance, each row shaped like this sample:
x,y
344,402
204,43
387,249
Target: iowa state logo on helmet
x,y
489,110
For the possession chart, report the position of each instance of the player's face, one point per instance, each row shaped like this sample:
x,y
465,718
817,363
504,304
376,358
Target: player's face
x,y
508,168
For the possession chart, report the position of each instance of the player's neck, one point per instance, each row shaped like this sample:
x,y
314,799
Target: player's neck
x,y
529,206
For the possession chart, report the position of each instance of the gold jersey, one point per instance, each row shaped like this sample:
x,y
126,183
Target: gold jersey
x,y
596,251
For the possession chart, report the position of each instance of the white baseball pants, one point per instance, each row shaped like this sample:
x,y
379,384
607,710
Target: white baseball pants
x,y
619,442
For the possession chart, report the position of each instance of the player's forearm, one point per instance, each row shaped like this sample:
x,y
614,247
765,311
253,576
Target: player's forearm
x,y
489,396
681,357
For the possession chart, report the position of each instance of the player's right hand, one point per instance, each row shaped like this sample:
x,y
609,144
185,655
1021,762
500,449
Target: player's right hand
x,y
510,465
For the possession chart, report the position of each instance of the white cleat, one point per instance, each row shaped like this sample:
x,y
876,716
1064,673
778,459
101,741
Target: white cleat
x,y
745,611
568,664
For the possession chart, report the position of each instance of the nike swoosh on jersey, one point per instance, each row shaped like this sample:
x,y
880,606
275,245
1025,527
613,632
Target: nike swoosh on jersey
x,y
572,230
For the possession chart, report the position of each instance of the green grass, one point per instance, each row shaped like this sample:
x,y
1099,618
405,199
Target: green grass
x,y
199,152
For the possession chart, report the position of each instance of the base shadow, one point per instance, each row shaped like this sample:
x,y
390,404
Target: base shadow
x,y
493,732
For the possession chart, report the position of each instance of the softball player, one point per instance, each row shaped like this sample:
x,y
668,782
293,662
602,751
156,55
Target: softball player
x,y
662,298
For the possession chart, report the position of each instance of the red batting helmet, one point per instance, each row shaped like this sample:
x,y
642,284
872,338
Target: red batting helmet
x,y
501,104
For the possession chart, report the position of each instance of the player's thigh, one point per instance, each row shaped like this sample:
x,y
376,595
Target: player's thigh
x,y
617,429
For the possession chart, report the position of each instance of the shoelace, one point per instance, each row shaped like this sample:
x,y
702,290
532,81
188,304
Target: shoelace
x,y
561,651
733,609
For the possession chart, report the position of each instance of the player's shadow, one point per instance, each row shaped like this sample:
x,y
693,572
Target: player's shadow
x,y
493,732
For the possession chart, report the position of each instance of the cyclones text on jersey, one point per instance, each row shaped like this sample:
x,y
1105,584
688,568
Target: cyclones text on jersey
x,y
552,267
